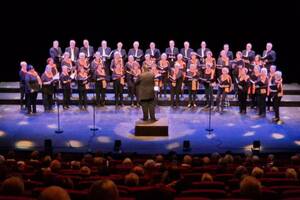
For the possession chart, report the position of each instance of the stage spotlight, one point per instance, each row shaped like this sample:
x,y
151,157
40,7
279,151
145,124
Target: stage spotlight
x,y
117,146
186,145
256,147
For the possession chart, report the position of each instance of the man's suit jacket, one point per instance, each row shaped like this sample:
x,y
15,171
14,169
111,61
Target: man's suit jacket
x,y
85,51
76,52
145,83
156,53
189,51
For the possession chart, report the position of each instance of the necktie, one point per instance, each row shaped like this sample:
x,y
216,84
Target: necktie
x,y
72,54
88,52
136,53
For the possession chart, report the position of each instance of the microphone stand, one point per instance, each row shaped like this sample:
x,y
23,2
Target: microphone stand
x,y
210,129
58,130
94,128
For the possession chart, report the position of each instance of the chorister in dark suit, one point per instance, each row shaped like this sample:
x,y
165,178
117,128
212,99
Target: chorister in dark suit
x,y
136,52
227,51
202,51
243,86
248,55
269,56
48,88
224,86
176,79
73,51
276,92
133,70
22,75
192,78
106,55
56,53
33,84
118,77
121,51
208,79
99,76
88,50
83,85
65,82
172,53
186,51
261,90
164,67
145,86
153,52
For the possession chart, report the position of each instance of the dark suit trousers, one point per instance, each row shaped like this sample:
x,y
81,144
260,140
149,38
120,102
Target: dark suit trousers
x,y
148,107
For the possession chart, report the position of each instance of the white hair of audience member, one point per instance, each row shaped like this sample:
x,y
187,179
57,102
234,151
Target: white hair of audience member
x,y
264,71
225,70
81,55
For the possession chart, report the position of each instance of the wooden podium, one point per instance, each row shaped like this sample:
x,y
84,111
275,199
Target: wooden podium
x,y
148,128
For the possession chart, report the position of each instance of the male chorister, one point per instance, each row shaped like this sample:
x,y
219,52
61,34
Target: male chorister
x,y
121,51
105,52
33,84
136,52
22,75
186,51
56,53
153,52
248,54
202,50
172,52
73,51
269,56
88,50
227,51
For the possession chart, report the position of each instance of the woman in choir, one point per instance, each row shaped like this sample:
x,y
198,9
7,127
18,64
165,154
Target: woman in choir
x,y
243,85
157,79
176,78
262,87
276,91
192,77
208,80
132,72
164,67
82,82
48,88
147,63
33,83
83,62
271,77
54,70
182,67
194,60
65,81
223,61
94,64
99,73
254,76
210,60
22,75
68,62
224,86
118,77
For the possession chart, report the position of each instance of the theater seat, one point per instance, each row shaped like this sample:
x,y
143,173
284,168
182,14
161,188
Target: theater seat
x,y
265,194
291,194
191,198
208,185
203,193
15,198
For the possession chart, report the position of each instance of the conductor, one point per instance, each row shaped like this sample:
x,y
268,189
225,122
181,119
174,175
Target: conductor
x,y
145,87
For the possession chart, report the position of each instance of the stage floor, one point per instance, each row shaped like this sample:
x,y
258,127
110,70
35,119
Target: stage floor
x,y
232,131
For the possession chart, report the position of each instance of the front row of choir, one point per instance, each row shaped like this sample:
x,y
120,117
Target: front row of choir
x,y
258,84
